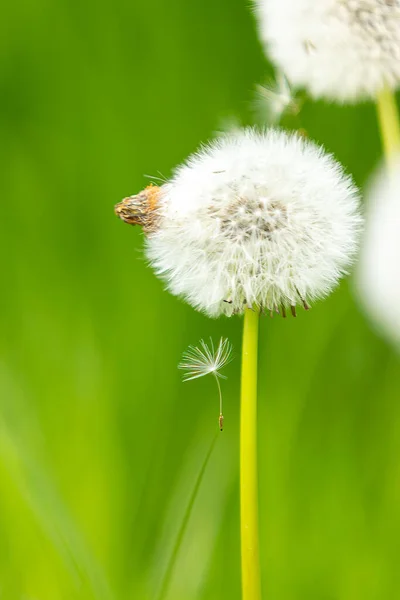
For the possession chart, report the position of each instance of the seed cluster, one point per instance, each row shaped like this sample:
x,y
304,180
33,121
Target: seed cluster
x,y
245,219
376,22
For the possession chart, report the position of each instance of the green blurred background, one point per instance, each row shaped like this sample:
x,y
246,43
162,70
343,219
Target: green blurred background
x,y
100,441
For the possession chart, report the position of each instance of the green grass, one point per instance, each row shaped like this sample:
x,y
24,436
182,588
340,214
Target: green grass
x,y
100,442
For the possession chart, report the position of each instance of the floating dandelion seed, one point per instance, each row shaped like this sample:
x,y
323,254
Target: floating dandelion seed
x,y
275,98
203,360
200,361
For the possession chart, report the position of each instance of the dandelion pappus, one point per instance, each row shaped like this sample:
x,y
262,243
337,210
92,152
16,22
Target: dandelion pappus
x,y
205,359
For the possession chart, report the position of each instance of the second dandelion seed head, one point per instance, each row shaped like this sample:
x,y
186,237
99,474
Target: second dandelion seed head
x,y
341,50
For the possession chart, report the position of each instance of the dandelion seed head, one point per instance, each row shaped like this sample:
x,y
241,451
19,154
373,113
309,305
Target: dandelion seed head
x,y
204,359
255,219
378,274
340,50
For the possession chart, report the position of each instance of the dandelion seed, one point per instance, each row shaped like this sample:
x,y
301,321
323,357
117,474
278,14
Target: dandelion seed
x,y
203,360
341,50
275,98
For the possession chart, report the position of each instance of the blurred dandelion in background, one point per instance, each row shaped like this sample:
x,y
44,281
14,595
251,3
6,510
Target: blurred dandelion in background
x,y
343,50
274,99
378,273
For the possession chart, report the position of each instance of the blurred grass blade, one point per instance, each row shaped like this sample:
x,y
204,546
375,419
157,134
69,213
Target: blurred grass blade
x,y
181,532
27,468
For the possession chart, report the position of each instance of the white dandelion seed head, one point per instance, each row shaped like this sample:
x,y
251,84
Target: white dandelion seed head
x,y
265,219
378,273
341,50
204,359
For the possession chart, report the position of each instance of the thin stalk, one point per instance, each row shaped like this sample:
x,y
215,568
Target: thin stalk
x,y
251,584
220,394
179,538
388,123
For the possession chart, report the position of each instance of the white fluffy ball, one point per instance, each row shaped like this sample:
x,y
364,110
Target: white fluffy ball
x,y
266,219
340,50
379,270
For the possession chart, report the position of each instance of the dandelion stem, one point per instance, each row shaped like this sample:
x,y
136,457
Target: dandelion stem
x,y
389,123
251,586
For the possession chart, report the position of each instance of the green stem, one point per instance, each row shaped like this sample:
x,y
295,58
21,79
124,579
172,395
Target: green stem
x,y
251,585
388,123
175,551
